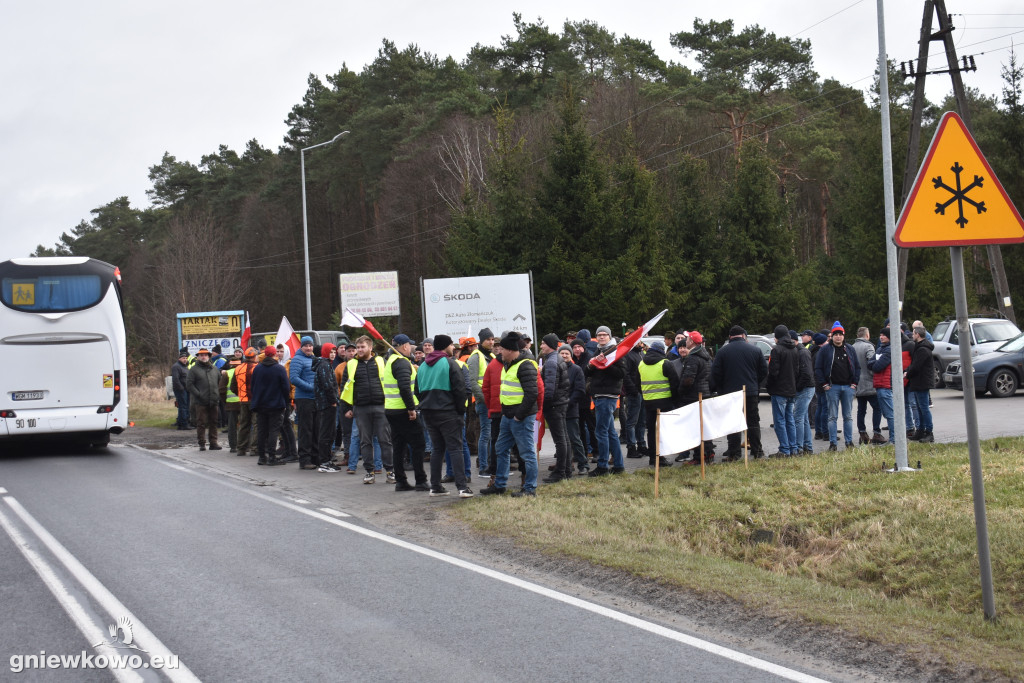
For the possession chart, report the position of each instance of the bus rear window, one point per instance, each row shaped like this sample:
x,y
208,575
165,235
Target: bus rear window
x,y
52,293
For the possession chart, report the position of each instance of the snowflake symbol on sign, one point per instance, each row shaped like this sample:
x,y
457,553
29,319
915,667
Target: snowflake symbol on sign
x,y
959,195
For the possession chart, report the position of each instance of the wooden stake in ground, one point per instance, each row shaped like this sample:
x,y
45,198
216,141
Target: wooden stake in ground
x,y
700,413
657,452
746,439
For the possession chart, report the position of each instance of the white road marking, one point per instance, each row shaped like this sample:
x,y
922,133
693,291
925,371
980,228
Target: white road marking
x,y
107,600
3,490
82,621
301,501
335,513
651,627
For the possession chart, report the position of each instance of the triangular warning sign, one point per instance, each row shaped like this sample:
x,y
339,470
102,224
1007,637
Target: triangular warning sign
x,y
957,199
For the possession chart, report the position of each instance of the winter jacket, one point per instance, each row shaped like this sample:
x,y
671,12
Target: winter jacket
x,y
528,377
921,372
241,380
670,369
805,378
738,364
556,380
605,381
368,389
823,364
783,369
203,384
401,369
882,368
300,374
577,389
441,384
694,375
478,356
325,385
179,376
631,375
865,351
492,387
270,387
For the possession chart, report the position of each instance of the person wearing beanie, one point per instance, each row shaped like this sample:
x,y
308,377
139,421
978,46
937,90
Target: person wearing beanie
x,y
805,388
556,401
920,376
440,386
740,365
577,394
269,396
865,391
881,380
783,373
362,398
631,415
325,404
519,397
301,376
203,384
836,371
658,378
400,408
241,385
476,366
695,382
179,375
605,386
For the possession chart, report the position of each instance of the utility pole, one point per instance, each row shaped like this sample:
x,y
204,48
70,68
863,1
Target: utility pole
x,y
954,68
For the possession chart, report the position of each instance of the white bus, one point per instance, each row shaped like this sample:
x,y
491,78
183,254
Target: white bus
x,y
62,350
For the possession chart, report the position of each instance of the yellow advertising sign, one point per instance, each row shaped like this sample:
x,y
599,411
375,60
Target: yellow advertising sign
x,y
23,293
957,199
218,325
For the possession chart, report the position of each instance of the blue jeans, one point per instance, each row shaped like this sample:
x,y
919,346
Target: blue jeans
x,y
607,436
920,400
579,456
843,395
519,433
884,397
483,446
182,398
821,416
804,431
634,408
783,415
912,413
354,451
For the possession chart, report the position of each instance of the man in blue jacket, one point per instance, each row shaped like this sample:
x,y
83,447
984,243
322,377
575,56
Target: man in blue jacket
x,y
836,371
301,375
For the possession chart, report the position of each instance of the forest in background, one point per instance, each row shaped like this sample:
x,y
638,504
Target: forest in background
x,y
745,191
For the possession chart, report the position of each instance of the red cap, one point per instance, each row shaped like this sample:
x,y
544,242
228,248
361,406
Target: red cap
x,y
696,337
270,352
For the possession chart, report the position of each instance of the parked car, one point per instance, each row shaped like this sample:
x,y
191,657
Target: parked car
x,y
987,334
999,372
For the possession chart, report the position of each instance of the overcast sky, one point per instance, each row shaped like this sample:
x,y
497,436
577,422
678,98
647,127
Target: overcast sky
x,y
95,92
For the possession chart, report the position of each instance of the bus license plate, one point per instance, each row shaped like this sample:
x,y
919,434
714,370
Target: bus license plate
x,y
27,395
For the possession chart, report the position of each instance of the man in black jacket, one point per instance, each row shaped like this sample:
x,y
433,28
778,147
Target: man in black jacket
x,y
179,375
363,398
400,408
783,370
577,393
632,404
694,383
441,389
556,401
740,365
920,379
605,386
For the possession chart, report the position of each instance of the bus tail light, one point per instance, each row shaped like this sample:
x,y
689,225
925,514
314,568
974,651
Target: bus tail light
x,y
7,413
117,394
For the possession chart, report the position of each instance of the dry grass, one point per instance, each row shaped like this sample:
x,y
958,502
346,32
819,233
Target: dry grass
x,y
148,405
888,557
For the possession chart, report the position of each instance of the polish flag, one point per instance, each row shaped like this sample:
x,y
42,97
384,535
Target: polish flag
x,y
246,333
352,319
286,335
604,360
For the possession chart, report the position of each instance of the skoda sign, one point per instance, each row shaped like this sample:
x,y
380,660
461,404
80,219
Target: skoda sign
x,y
462,306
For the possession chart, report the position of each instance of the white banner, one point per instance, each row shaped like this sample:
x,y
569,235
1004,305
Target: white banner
x,y
679,429
500,302
371,295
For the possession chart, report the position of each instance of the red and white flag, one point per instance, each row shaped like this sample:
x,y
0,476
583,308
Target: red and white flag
x,y
286,335
604,360
246,333
352,319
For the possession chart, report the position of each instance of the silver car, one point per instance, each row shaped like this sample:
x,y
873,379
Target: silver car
x,y
987,334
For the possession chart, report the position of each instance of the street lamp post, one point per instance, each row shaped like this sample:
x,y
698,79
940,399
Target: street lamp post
x,y
305,226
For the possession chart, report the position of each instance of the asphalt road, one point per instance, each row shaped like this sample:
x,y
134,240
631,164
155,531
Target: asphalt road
x,y
242,584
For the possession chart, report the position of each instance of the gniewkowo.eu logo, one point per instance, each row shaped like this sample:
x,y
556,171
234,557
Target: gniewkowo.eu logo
x,y
121,638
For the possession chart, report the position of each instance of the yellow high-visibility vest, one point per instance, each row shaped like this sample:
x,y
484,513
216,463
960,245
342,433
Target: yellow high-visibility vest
x,y
653,382
511,389
392,395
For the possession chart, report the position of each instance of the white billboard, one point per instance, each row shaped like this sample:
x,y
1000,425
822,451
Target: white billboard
x,y
370,294
459,305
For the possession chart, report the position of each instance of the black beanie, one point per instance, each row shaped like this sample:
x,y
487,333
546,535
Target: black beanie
x,y
736,331
781,331
485,334
510,341
442,342
551,340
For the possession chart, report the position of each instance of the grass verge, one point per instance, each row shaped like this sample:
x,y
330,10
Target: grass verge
x,y
148,407
891,558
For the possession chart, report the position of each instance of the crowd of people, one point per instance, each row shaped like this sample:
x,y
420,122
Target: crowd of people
x,y
406,405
